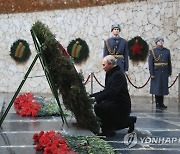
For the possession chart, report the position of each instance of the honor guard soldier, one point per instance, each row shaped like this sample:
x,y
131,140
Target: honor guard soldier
x,y
118,47
160,69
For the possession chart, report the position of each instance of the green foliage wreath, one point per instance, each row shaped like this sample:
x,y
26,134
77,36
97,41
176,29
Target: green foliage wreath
x,y
20,51
79,50
138,49
66,79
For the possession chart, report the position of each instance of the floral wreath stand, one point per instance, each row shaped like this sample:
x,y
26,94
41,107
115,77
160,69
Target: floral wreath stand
x,y
138,49
20,51
48,76
79,50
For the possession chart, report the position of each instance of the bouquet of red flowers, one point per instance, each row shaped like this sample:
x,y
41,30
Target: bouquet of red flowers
x,y
26,105
51,142
29,105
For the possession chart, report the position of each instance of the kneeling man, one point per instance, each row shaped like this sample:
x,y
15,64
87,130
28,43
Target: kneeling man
x,y
113,104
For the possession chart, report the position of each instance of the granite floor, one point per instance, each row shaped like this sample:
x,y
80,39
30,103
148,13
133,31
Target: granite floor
x,y
156,131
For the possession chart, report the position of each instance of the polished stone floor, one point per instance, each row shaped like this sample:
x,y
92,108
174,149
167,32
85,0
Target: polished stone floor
x,y
156,131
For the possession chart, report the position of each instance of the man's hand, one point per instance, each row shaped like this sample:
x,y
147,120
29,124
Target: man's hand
x,y
91,95
152,76
94,100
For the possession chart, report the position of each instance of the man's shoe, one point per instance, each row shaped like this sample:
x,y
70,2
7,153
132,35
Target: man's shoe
x,y
108,133
132,121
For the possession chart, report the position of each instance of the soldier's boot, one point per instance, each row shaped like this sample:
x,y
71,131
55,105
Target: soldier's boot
x,y
157,105
157,99
161,104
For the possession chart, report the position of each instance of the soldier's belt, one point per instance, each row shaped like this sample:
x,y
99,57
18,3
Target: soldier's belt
x,y
160,64
118,56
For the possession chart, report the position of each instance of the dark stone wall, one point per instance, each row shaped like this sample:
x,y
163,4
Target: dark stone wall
x,y
15,6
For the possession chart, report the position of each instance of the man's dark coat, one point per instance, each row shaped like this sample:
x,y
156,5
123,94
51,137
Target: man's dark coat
x,y
113,103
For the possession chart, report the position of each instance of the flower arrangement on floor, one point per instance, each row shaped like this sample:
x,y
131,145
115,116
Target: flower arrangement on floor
x,y
29,105
25,105
20,51
52,142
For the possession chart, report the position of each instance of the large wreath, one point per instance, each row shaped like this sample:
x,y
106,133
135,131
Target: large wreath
x,y
66,79
138,49
20,51
79,50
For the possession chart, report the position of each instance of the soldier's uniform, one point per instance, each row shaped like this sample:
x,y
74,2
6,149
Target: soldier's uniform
x,y
117,47
160,69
